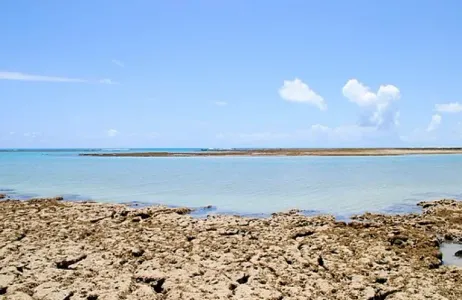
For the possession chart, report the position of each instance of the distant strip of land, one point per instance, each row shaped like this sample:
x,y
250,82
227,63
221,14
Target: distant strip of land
x,y
288,152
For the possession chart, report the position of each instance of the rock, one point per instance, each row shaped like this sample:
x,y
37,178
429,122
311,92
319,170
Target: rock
x,y
137,252
320,261
49,199
369,293
5,281
52,291
398,240
143,215
154,278
458,254
69,261
20,236
323,285
439,255
243,278
182,210
301,233
228,231
143,292
20,296
381,280
2,196
222,257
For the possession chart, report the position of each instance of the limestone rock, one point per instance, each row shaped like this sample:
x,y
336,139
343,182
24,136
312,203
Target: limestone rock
x,y
60,250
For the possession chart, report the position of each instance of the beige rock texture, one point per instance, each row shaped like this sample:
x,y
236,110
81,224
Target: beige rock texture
x,y
57,250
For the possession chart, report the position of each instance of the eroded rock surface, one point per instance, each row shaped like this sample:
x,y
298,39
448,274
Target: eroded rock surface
x,y
51,249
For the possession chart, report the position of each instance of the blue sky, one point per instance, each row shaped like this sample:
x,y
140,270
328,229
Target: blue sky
x,y
230,73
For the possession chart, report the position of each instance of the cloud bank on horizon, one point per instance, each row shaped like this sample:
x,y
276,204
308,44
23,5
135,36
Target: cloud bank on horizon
x,y
378,107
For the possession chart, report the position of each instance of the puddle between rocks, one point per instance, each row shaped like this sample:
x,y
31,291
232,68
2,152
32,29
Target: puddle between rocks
x,y
448,250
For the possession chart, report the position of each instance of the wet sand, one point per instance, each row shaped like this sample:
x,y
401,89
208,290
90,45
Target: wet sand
x,y
59,250
291,152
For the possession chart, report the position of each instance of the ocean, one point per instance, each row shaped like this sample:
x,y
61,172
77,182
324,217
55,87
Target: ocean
x,y
235,185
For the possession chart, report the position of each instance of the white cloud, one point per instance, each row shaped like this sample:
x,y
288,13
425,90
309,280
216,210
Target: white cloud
x,y
298,91
12,132
376,105
221,103
360,94
107,81
5,75
118,63
344,133
29,77
112,132
32,134
319,127
434,123
418,136
316,133
453,107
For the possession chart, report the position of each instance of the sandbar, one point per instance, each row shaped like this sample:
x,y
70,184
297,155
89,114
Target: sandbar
x,y
288,152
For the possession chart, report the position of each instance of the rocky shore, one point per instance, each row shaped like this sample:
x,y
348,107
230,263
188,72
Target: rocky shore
x,y
57,250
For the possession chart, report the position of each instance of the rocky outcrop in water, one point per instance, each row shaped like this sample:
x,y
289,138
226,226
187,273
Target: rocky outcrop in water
x,y
51,249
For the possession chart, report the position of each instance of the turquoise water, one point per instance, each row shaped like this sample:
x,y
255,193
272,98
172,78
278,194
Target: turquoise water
x,y
244,185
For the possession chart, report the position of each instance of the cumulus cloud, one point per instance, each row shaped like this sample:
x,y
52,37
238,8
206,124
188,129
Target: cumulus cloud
x,y
434,123
454,107
377,107
118,63
221,103
298,91
5,75
360,94
112,132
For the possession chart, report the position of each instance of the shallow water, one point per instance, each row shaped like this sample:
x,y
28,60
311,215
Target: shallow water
x,y
448,250
243,185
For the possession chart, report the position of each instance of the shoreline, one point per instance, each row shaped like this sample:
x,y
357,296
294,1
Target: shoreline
x,y
53,249
288,152
205,210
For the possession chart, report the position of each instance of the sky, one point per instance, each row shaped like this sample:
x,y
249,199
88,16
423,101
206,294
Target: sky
x,y
237,73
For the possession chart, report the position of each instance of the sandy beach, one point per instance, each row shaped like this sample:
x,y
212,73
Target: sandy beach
x,y
59,250
290,152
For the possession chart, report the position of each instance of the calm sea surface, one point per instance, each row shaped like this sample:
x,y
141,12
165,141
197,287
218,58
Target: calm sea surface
x,y
243,185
